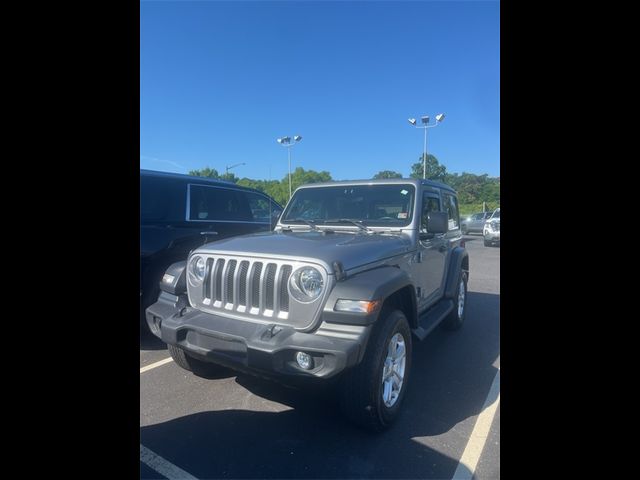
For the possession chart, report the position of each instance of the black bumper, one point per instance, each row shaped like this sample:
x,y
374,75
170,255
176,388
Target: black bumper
x,y
268,350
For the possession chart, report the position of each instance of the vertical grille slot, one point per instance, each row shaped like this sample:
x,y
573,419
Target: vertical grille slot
x,y
218,280
255,284
270,281
242,294
231,269
284,293
207,279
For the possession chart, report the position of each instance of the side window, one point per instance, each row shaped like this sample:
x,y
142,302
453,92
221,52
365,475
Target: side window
x,y
213,203
451,207
429,204
262,208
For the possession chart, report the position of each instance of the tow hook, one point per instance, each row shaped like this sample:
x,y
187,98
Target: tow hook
x,y
271,331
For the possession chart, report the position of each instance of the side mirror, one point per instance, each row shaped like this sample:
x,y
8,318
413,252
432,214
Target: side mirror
x,y
437,222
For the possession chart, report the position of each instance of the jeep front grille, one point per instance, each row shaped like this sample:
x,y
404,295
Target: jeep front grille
x,y
247,286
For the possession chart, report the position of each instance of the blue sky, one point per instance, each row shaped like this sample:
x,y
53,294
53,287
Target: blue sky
x,y
220,81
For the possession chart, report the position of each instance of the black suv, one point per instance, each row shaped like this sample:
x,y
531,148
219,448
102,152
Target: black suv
x,y
179,213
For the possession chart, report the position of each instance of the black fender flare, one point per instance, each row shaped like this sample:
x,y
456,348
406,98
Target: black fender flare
x,y
178,286
376,284
458,257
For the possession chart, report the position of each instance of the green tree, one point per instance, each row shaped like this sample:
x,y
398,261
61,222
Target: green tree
x,y
435,171
229,177
205,172
387,174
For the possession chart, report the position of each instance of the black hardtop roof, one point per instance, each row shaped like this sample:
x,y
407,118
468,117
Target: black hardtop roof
x,y
383,181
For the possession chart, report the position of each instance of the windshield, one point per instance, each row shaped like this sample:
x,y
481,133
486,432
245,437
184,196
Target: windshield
x,y
496,214
372,205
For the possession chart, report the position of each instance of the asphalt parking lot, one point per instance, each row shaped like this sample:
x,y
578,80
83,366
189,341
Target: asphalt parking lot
x,y
237,426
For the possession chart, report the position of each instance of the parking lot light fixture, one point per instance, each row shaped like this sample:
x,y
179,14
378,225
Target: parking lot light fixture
x,y
286,142
425,125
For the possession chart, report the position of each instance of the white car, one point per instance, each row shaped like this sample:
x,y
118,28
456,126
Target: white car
x,y
491,230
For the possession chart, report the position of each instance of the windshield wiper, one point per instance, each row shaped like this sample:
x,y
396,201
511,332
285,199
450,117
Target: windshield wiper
x,y
357,223
308,222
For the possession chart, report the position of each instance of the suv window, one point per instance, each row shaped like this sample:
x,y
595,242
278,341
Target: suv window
x,y
451,207
262,209
210,204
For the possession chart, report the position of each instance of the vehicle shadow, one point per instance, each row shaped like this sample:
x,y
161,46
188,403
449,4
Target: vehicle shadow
x,y
289,444
451,377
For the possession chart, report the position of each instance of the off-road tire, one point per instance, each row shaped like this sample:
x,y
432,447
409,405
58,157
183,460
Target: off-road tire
x,y
455,319
361,388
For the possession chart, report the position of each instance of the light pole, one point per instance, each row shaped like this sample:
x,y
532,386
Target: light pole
x,y
226,174
286,142
425,122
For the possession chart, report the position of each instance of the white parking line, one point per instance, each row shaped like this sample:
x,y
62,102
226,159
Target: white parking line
x,y
163,467
154,365
475,444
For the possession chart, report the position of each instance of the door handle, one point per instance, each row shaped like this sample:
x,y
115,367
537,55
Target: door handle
x,y
210,232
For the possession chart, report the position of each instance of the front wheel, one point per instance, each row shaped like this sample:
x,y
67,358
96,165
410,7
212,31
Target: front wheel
x,y
372,392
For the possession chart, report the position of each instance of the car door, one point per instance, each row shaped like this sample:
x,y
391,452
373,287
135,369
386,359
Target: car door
x,y
477,222
432,251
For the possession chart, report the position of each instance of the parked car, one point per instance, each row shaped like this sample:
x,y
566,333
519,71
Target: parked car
x,y
474,223
179,213
353,273
491,231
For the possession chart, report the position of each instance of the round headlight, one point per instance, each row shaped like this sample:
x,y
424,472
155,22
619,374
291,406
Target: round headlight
x,y
306,284
197,267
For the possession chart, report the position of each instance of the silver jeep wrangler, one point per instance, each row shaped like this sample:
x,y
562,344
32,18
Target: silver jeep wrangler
x,y
352,274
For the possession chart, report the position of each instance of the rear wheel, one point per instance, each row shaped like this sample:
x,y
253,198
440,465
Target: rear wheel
x,y
372,392
455,319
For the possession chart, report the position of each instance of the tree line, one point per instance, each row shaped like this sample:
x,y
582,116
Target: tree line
x,y
473,190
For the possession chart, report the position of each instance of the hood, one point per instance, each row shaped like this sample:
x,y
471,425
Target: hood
x,y
352,249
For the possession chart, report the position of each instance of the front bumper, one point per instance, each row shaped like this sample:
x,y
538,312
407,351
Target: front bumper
x,y
268,350
492,235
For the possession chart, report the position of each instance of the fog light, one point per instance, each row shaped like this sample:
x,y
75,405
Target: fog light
x,y
304,360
